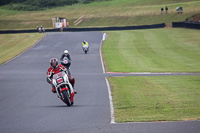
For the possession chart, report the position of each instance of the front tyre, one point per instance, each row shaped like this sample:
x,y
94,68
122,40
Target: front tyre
x,y
66,97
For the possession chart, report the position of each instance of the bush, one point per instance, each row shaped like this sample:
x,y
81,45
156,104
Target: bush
x,y
5,2
30,5
21,7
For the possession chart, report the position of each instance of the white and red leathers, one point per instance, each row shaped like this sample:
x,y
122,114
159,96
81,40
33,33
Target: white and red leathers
x,y
51,71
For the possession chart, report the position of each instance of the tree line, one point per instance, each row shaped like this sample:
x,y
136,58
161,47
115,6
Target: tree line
x,y
30,5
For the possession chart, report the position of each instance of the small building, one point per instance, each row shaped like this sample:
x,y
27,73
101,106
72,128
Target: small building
x,y
59,22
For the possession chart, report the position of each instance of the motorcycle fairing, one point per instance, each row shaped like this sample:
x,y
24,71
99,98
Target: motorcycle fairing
x,y
59,80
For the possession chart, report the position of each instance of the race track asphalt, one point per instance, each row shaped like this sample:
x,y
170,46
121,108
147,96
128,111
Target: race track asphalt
x,y
27,104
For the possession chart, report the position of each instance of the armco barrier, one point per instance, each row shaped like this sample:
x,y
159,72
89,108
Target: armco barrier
x,y
189,25
26,31
117,28
16,31
89,29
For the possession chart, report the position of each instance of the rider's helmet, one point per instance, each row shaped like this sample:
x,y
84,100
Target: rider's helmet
x,y
54,63
66,52
84,42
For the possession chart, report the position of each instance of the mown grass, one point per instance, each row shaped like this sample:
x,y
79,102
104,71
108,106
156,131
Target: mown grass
x,y
158,98
141,19
154,98
153,50
13,44
115,13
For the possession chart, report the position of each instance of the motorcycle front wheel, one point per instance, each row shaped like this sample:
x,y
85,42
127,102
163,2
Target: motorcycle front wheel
x,y
66,97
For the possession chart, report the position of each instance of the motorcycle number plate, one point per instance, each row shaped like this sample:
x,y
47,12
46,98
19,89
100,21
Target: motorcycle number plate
x,y
60,80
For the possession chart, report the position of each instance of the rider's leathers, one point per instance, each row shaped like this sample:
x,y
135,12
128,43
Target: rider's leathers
x,y
51,71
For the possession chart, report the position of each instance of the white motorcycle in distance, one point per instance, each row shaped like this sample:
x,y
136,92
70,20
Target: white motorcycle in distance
x,y
85,48
66,62
64,88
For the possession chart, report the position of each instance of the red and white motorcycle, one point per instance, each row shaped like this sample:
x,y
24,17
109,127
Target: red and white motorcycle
x,y
64,88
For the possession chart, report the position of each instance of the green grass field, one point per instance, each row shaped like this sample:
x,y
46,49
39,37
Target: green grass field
x,y
13,44
154,98
153,50
157,98
108,13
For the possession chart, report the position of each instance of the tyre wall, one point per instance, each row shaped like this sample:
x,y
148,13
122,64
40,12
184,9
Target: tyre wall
x,y
186,25
162,25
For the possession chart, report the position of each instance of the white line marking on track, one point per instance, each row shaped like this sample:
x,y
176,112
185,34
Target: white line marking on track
x,y
112,115
107,83
104,34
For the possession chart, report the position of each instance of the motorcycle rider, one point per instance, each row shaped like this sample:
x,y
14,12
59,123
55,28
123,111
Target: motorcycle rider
x,y
66,54
54,69
85,43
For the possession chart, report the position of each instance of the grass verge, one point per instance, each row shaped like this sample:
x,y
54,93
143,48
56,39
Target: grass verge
x,y
153,50
13,44
158,98
154,98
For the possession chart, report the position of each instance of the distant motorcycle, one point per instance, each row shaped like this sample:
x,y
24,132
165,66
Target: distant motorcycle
x,y
64,88
66,63
85,48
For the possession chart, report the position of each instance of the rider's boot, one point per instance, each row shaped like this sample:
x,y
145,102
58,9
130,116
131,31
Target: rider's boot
x,y
72,81
75,92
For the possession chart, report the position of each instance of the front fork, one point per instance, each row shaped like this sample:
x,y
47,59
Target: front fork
x,y
59,92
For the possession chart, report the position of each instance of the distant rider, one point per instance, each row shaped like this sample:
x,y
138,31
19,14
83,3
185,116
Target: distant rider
x,y
85,43
66,54
54,69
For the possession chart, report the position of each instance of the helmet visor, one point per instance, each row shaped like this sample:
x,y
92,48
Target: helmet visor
x,y
54,64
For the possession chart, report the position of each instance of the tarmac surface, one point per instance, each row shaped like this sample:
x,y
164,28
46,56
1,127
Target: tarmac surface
x,y
27,104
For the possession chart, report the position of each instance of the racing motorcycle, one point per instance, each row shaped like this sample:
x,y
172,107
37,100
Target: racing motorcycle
x,y
66,63
64,88
85,48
